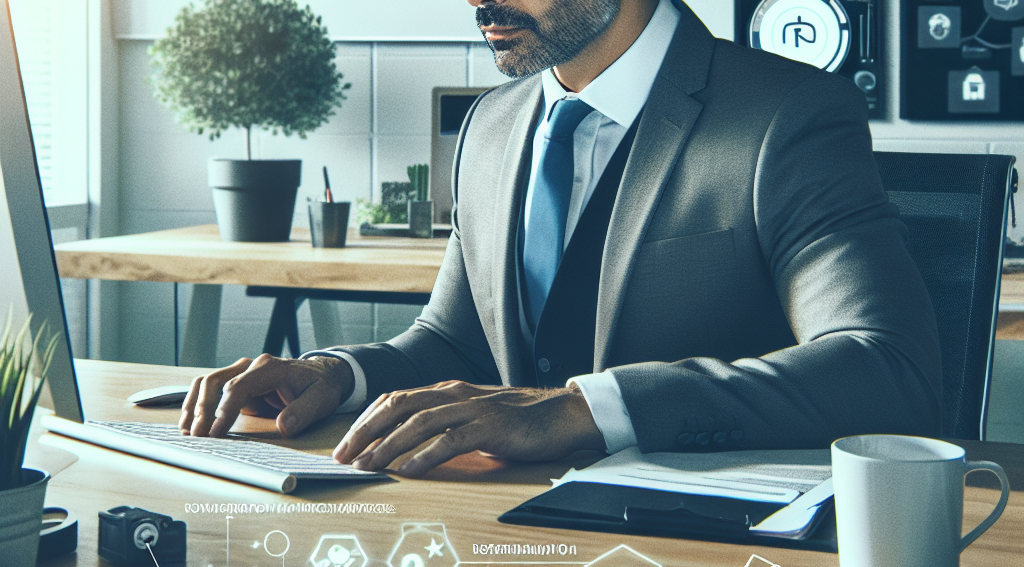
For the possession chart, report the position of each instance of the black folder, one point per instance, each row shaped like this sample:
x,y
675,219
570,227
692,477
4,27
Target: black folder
x,y
643,511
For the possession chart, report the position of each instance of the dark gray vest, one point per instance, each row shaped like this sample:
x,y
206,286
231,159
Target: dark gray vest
x,y
563,341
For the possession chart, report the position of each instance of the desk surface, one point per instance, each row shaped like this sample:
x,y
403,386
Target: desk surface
x,y
466,496
197,255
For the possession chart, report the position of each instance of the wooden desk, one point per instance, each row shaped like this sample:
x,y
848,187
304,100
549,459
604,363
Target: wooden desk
x,y
197,255
466,496
375,269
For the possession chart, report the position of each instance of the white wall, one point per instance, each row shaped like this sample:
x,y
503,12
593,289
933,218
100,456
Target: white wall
x,y
360,20
382,128
346,20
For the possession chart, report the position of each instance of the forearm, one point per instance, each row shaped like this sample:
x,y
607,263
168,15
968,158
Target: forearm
x,y
446,342
867,360
418,357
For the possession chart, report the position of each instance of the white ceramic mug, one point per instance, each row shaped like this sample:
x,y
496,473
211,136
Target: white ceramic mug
x,y
900,501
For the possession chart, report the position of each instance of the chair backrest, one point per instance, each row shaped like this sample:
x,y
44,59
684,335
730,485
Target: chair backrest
x,y
955,208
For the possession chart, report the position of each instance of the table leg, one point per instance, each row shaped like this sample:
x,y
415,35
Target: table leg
x,y
284,324
199,343
326,322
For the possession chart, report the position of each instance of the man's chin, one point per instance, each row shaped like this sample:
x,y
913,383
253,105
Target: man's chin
x,y
512,64
514,71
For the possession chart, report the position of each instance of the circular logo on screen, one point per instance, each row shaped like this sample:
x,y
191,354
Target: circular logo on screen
x,y
1005,10
816,32
939,25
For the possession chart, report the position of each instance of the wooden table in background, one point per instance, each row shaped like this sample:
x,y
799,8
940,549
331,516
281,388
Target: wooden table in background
x,y
372,269
466,496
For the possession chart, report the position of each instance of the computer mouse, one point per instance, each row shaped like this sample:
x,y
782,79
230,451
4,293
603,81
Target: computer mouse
x,y
162,396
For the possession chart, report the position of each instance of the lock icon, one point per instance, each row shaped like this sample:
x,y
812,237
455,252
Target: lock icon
x,y
974,87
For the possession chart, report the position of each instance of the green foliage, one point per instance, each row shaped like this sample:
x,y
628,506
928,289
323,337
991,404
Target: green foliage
x,y
395,196
248,63
19,393
372,213
419,176
393,207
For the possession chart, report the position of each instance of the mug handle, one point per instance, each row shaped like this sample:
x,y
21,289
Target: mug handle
x,y
971,466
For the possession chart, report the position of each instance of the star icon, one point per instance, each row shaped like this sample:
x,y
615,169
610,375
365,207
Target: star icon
x,y
434,548
255,545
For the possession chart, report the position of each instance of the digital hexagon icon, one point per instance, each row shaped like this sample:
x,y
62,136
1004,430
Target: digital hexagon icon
x,y
623,556
423,545
338,551
758,561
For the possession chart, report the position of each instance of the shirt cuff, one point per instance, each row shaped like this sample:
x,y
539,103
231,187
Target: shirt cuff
x,y
610,414
357,400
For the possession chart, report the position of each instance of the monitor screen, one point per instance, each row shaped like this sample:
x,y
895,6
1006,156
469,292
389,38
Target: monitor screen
x,y
25,229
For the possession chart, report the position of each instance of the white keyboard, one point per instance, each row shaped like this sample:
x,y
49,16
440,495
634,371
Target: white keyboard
x,y
236,458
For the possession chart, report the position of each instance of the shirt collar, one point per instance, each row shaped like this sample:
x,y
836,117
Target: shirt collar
x,y
621,91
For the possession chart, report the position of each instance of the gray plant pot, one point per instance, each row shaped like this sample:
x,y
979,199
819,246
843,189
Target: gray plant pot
x,y
254,199
421,219
21,519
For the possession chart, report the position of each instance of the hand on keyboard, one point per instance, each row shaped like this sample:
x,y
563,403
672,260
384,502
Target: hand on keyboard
x,y
298,391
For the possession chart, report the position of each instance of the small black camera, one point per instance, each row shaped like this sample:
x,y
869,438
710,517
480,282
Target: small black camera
x,y
125,531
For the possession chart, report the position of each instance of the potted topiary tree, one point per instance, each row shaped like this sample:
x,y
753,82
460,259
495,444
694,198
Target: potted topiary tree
x,y
22,490
249,64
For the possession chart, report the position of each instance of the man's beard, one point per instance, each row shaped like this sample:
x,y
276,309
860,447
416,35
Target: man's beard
x,y
558,36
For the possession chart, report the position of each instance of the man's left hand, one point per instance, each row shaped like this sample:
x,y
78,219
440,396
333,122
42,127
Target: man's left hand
x,y
523,424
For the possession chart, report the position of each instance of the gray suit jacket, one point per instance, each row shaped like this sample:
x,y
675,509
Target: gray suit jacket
x,y
755,288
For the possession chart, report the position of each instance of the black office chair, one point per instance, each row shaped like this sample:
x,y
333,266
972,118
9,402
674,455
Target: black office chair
x,y
955,207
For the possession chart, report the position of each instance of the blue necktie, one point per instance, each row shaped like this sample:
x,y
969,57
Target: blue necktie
x,y
545,239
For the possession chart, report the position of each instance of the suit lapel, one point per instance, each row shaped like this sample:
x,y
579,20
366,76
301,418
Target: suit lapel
x,y
511,184
664,129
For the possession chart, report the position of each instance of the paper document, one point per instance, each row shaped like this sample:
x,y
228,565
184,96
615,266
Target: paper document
x,y
796,520
763,476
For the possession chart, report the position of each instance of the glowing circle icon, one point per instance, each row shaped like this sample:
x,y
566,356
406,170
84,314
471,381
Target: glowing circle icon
x,y
282,543
816,32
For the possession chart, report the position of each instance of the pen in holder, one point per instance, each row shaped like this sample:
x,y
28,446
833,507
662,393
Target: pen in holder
x,y
328,223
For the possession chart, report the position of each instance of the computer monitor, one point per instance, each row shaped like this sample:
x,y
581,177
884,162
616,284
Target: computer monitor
x,y
25,229
450,106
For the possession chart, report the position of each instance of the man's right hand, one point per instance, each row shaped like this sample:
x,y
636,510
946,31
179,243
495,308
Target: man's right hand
x,y
298,391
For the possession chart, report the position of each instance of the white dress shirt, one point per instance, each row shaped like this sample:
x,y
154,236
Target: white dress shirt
x,y
617,96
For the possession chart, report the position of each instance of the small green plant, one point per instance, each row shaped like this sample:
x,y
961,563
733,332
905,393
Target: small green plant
x,y
393,207
248,64
368,212
19,394
419,176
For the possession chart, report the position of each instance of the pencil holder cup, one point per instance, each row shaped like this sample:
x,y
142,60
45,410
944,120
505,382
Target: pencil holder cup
x,y
328,223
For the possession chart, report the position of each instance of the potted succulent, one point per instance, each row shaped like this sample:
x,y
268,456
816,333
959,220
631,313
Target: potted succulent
x,y
22,490
249,64
421,209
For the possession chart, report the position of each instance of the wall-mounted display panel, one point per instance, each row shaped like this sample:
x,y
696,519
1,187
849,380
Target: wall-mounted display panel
x,y
962,60
839,36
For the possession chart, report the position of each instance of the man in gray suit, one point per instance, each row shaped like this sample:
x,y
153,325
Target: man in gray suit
x,y
717,268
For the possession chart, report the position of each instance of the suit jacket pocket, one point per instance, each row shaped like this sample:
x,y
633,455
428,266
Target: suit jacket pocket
x,y
692,249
